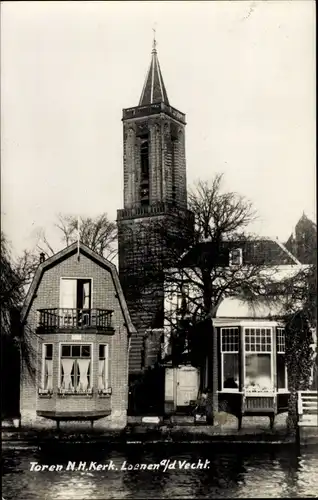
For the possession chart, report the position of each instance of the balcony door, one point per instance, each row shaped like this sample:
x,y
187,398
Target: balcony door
x,y
75,298
84,294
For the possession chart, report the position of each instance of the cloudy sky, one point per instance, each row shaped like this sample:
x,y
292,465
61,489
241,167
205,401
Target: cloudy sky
x,y
243,72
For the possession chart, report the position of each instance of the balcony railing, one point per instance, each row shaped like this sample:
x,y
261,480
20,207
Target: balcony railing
x,y
153,109
153,209
75,319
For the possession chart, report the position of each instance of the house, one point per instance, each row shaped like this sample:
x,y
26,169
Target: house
x,y
250,366
77,320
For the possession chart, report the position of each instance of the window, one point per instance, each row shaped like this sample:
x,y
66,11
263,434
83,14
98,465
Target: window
x,y
258,352
230,358
281,362
75,368
47,372
236,257
103,368
173,169
182,299
144,165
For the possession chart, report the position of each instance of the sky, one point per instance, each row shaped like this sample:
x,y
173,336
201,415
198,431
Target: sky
x,y
243,72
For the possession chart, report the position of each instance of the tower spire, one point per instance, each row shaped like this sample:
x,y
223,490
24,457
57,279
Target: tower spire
x,y
154,90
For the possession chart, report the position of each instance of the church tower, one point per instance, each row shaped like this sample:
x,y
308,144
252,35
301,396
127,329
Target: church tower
x,y
155,189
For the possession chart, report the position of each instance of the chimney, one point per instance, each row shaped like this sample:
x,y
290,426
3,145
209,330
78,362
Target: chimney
x,y
42,257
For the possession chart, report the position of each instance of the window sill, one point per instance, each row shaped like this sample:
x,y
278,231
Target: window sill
x,y
230,391
252,393
105,393
45,393
63,393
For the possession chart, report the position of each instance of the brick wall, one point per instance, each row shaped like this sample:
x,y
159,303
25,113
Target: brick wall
x,y
152,345
104,296
138,251
167,167
166,160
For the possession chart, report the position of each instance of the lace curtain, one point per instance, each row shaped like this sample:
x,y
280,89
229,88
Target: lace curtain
x,y
67,365
83,366
101,374
48,384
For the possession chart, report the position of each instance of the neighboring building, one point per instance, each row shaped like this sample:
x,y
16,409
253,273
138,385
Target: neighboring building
x,y
303,241
251,370
155,189
79,325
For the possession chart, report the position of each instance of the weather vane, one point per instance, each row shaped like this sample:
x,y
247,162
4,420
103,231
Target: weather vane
x,y
154,43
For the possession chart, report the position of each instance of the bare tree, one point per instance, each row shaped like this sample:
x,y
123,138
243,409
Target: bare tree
x,y
16,344
196,263
98,233
11,292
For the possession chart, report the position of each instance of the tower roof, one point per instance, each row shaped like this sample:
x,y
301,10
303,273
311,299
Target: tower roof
x,y
154,89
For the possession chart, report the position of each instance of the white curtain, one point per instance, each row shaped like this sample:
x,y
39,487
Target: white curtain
x,y
101,374
67,365
48,374
83,365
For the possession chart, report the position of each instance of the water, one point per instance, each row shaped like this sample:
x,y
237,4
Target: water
x,y
235,472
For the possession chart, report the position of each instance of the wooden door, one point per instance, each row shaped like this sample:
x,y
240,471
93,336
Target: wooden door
x,y
187,385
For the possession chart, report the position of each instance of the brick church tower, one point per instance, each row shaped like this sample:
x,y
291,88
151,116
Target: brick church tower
x,y
155,189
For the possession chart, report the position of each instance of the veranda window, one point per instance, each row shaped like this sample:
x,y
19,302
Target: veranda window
x,y
230,358
47,375
75,368
103,368
281,361
258,359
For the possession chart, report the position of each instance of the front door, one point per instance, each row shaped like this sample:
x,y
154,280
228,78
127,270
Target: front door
x,y
187,385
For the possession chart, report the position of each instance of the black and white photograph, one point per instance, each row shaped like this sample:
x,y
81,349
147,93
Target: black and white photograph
x,y
158,250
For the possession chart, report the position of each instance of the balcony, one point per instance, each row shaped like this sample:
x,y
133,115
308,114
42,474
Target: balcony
x,y
153,209
153,109
65,320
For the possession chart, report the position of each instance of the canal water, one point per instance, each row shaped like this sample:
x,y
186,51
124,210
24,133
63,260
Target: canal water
x,y
237,471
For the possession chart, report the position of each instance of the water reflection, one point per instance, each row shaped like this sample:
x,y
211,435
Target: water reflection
x,y
236,472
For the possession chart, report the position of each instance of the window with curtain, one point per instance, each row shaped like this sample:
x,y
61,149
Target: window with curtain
x,y
258,352
47,378
75,368
230,358
280,359
103,368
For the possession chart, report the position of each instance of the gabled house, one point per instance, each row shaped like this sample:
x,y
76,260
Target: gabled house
x,y
79,326
250,363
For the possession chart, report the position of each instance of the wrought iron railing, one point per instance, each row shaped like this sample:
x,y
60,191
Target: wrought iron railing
x,y
74,319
